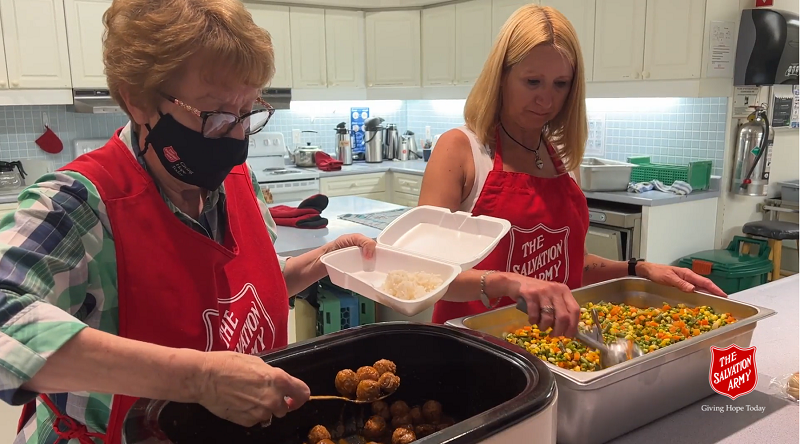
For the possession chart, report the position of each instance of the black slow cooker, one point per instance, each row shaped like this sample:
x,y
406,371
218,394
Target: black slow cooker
x,y
484,383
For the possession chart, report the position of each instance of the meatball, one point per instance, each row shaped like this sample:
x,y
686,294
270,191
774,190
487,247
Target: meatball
x,y
403,436
423,430
432,412
381,409
368,390
367,373
399,408
375,427
317,434
346,383
402,420
389,382
384,366
416,415
326,441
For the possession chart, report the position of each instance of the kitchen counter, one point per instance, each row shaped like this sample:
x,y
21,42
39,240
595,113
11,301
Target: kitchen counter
x,y
776,341
647,199
295,241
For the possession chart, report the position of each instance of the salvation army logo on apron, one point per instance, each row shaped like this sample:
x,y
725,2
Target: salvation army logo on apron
x,y
540,253
242,326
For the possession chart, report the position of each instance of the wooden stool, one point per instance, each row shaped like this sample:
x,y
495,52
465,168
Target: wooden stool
x,y
775,231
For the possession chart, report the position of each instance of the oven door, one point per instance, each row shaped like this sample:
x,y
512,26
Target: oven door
x,y
606,242
290,191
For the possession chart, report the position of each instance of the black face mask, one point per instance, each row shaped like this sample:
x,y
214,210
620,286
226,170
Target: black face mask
x,y
191,157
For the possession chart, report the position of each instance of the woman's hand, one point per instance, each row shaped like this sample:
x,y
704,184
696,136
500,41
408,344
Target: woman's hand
x,y
682,278
565,313
243,389
366,244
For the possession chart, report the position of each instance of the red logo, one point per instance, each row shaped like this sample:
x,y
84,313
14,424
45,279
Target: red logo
x,y
540,252
733,370
241,323
171,155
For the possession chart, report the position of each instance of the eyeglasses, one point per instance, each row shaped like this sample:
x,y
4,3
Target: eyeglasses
x,y
218,124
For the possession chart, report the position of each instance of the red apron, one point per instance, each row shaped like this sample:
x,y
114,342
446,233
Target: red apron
x,y
177,287
549,218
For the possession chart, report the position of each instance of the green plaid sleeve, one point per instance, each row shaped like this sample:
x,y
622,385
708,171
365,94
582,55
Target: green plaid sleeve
x,y
272,227
51,247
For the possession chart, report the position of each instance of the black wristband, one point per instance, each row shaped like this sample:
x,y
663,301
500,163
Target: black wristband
x,y
632,265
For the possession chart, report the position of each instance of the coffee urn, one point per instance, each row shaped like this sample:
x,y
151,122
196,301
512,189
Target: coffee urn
x,y
373,140
344,148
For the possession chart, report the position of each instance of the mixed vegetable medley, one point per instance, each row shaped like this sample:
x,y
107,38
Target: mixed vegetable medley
x,y
650,328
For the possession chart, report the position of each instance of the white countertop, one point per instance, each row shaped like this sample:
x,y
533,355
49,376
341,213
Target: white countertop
x,y
647,199
295,241
776,341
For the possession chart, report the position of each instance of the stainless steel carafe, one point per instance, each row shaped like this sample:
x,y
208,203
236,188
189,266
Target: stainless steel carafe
x,y
391,147
373,140
344,147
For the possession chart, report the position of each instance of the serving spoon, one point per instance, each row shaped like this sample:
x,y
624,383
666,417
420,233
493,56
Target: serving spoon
x,y
342,398
612,354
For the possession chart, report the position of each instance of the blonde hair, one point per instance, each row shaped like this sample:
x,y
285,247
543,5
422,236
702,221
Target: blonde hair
x,y
147,43
528,27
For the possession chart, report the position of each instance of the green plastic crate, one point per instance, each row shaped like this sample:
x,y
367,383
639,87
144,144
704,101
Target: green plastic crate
x,y
697,174
366,310
731,270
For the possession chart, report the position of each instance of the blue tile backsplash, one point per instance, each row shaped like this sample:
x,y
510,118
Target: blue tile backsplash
x,y
671,130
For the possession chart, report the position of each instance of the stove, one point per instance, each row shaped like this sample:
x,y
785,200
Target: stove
x,y
285,183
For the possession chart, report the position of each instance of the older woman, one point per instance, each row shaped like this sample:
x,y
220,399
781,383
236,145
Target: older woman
x,y
160,241
524,135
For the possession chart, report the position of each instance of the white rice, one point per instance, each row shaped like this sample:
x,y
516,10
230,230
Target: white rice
x,y
409,286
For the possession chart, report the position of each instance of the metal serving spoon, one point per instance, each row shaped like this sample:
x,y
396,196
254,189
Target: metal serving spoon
x,y
342,398
610,354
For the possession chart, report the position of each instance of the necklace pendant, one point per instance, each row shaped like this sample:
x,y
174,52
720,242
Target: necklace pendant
x,y
539,164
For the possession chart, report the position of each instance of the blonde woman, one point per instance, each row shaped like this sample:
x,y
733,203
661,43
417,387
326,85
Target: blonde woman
x,y
524,137
147,268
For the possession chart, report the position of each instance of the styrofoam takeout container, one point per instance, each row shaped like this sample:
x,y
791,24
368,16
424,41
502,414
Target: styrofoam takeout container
x,y
425,238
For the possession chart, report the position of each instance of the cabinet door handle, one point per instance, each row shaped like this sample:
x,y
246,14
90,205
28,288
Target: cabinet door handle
x,y
3,84
15,83
636,75
646,74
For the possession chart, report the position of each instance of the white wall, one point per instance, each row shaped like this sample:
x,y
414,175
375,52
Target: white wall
x,y
737,210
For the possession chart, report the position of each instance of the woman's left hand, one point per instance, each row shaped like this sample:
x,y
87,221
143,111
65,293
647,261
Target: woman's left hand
x,y
682,278
366,244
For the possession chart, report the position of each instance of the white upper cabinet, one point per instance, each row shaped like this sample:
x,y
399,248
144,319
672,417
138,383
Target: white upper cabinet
x,y
439,46
502,10
393,48
619,40
673,47
85,37
3,71
581,14
275,19
473,39
344,43
35,37
308,48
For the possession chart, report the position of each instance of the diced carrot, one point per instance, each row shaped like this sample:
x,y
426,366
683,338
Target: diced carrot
x,y
666,307
576,356
675,317
695,332
614,311
672,329
704,322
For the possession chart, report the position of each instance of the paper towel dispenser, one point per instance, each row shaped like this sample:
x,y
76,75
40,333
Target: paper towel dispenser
x,y
767,48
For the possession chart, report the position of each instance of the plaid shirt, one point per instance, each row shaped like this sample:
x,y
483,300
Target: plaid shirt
x,y
58,275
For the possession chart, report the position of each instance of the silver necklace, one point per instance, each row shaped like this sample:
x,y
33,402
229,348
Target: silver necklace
x,y
539,162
